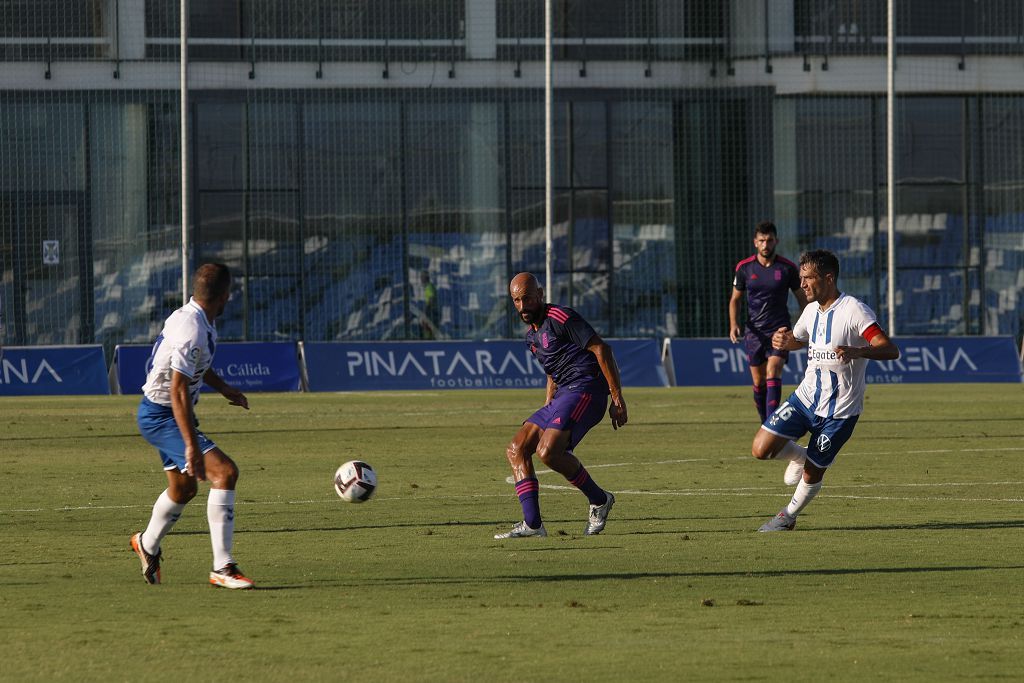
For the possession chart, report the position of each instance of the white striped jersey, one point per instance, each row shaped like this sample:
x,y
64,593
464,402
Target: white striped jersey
x,y
831,388
186,345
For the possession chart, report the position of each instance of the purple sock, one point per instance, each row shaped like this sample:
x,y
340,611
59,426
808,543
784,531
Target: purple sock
x,y
594,493
528,491
759,401
773,395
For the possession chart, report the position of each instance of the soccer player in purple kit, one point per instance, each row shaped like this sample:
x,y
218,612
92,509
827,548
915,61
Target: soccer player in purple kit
x,y
767,278
582,373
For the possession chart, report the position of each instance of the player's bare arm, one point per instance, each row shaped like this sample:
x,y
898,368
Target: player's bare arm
x,y
735,333
181,406
879,348
610,369
784,340
233,395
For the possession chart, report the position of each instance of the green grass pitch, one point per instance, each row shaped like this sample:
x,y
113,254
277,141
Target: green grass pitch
x,y
908,566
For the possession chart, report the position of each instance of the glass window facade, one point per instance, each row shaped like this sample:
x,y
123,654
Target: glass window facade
x,y
396,201
51,30
645,30
958,223
310,30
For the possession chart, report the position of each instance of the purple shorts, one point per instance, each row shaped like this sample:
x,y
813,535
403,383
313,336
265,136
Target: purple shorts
x,y
577,412
759,348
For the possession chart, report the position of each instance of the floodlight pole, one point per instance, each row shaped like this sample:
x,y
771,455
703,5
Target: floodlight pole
x,y
890,163
183,158
549,212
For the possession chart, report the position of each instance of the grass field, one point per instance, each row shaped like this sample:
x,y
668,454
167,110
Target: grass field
x,y
908,566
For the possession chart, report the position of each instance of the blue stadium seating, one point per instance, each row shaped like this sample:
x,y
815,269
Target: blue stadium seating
x,y
351,288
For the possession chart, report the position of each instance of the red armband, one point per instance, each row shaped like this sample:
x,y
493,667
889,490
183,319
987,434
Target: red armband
x,y
872,331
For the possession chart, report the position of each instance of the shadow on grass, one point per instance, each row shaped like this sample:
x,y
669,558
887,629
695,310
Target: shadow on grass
x,y
938,526
499,524
519,579
561,549
354,527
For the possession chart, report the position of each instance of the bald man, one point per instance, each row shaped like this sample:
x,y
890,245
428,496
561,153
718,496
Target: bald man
x,y
582,373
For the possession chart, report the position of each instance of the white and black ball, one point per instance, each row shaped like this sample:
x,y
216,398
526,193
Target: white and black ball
x,y
355,481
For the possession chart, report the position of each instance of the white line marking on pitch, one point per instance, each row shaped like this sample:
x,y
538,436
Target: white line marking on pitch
x,y
734,491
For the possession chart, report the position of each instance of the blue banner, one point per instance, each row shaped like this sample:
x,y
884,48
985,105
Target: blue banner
x,y
422,365
639,362
247,366
53,371
717,362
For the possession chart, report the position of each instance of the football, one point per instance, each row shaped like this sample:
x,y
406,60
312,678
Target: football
x,y
355,481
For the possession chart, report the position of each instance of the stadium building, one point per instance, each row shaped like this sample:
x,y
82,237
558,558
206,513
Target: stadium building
x,y
374,169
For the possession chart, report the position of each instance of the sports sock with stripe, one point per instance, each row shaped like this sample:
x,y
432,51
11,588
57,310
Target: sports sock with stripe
x,y
773,394
594,493
528,491
760,395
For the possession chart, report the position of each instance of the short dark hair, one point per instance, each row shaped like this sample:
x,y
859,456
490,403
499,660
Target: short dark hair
x,y
823,260
211,281
766,228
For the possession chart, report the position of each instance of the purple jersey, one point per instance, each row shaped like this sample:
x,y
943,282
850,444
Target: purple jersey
x,y
767,289
560,345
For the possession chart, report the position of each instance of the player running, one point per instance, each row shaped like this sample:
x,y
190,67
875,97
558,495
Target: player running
x,y
830,398
767,278
182,359
581,373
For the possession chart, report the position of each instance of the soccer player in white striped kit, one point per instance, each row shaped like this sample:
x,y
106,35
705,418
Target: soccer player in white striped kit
x,y
834,327
181,361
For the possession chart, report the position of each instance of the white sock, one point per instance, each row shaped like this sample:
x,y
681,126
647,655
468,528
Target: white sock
x,y
220,511
165,513
792,451
805,493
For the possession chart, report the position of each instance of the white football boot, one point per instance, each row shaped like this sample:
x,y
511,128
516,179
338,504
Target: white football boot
x,y
230,576
520,530
599,516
